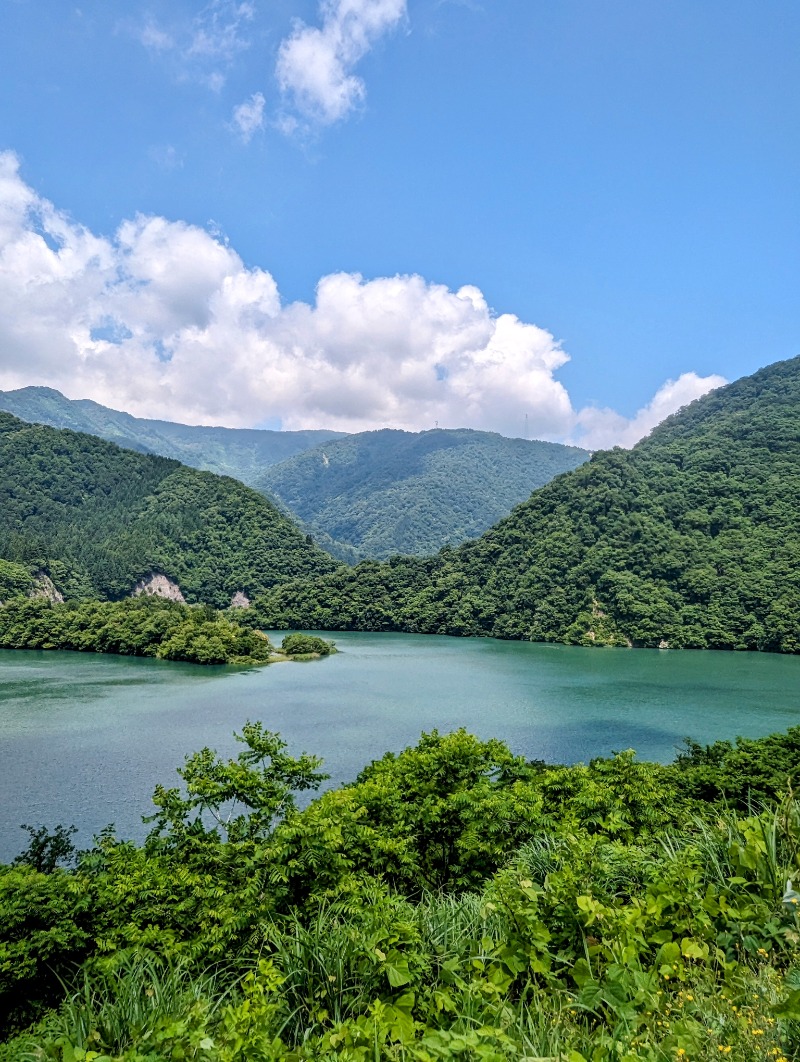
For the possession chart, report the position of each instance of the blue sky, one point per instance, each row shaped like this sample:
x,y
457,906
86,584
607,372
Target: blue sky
x,y
622,175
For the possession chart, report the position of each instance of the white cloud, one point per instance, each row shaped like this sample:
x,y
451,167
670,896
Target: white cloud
x,y
200,48
315,64
248,117
154,38
218,31
598,429
163,319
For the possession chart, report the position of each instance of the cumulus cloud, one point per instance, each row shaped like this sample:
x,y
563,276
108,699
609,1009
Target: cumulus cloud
x,y
164,319
315,64
248,117
598,429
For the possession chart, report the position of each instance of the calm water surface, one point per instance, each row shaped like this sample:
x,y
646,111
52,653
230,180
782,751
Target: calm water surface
x,y
84,739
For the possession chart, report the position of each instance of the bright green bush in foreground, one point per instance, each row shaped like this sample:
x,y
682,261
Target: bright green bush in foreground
x,y
455,902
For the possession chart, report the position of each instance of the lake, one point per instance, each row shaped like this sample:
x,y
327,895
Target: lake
x,y
85,738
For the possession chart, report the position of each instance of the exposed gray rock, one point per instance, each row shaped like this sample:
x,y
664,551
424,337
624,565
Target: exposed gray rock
x,y
159,585
45,587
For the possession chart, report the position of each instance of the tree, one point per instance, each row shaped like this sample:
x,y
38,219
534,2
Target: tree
x,y
243,798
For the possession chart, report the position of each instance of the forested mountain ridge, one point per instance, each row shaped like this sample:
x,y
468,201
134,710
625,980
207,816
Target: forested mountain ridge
x,y
690,539
243,453
98,519
385,492
371,494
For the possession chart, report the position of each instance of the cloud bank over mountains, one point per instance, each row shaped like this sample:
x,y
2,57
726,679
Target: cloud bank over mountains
x,y
164,320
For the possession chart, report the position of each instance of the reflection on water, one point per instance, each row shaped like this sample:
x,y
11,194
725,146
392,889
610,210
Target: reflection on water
x,y
85,738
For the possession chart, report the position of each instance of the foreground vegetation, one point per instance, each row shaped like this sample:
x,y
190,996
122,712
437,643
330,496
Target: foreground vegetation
x,y
690,539
455,902
145,626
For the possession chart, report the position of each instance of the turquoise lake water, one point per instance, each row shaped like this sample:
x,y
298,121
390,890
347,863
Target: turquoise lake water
x,y
84,739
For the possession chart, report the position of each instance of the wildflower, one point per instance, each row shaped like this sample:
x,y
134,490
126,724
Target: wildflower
x,y
790,897
689,996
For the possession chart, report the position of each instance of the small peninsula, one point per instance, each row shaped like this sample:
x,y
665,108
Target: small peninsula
x,y
147,626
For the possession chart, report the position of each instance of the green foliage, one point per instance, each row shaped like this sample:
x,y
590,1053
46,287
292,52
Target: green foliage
x,y
746,773
242,797
454,902
306,645
47,849
379,493
98,519
243,453
15,581
689,540
45,934
140,626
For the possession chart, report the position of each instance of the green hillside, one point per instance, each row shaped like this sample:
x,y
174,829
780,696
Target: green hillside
x,y
98,519
243,453
690,539
387,492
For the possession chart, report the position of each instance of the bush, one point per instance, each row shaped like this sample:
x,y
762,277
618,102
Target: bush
x,y
306,645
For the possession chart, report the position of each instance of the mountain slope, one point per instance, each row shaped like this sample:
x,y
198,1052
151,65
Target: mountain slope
x,y
387,492
692,538
98,519
243,453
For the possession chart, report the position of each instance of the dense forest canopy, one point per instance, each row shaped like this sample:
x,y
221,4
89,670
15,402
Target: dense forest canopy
x,y
243,453
454,903
690,539
98,519
379,493
367,495
140,626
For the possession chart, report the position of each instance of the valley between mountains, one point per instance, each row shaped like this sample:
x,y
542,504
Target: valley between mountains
x,y
689,540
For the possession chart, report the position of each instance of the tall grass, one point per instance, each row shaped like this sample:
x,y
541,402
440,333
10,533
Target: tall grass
x,y
111,1010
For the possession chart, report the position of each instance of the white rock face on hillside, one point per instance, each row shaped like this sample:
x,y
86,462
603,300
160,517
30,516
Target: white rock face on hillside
x,y
159,585
45,587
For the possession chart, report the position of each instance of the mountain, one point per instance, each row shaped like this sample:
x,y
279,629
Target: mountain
x,y
379,493
98,520
368,495
690,539
243,453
